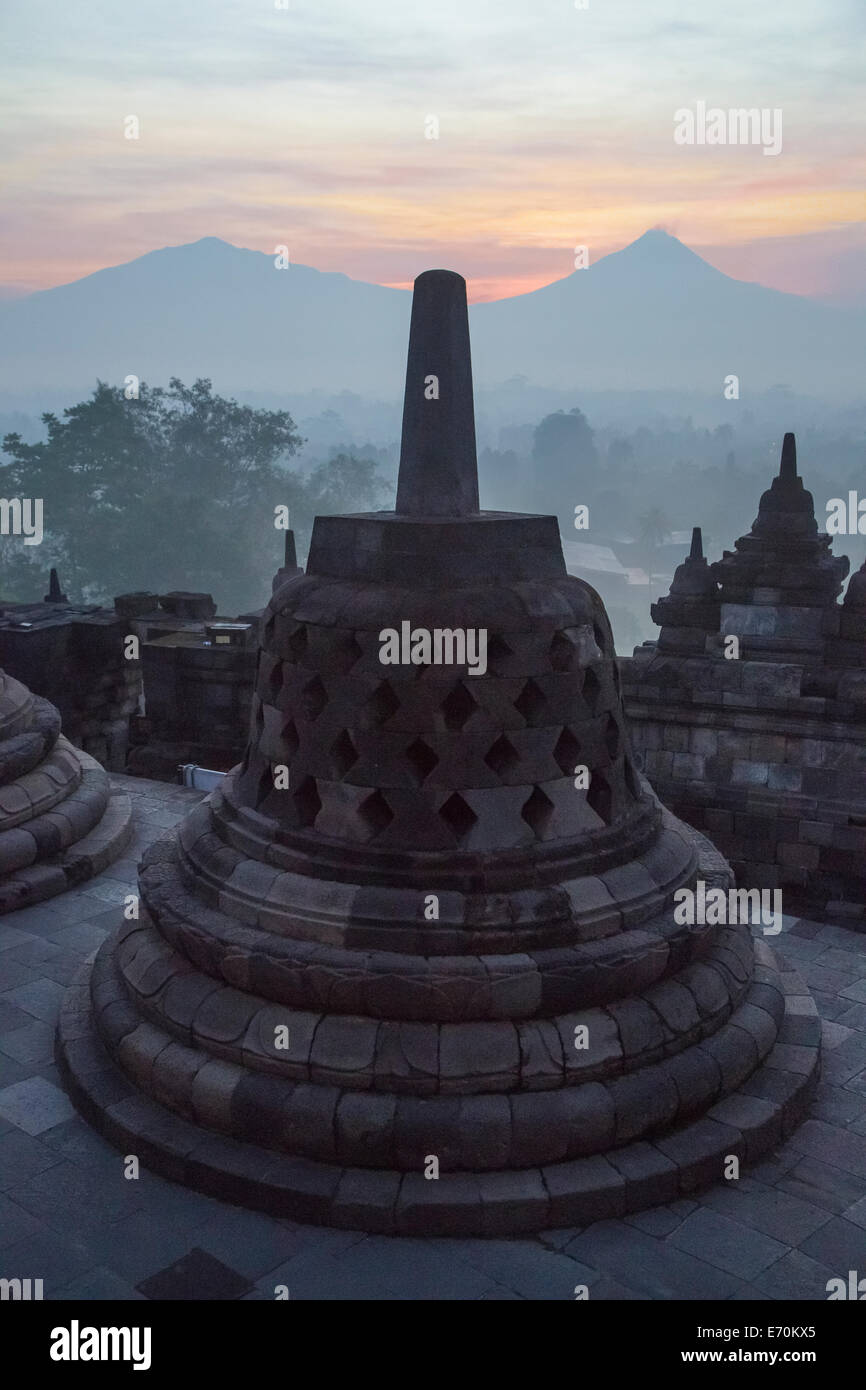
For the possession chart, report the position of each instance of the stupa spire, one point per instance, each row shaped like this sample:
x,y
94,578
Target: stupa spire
x,y
697,550
54,595
290,567
438,465
788,461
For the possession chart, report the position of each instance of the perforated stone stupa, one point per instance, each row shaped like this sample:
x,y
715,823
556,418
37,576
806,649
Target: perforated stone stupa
x,y
60,822
435,984
765,748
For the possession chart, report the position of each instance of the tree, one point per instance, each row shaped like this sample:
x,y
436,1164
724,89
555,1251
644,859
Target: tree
x,y
566,460
174,489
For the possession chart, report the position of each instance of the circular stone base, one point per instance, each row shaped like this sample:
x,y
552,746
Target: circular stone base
x,y
78,836
746,1124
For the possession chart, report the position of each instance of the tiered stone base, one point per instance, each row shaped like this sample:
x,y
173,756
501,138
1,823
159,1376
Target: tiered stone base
x,y
174,1066
60,820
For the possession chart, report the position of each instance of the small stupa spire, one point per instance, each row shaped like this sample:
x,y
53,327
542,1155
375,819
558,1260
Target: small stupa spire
x,y
788,463
697,550
54,594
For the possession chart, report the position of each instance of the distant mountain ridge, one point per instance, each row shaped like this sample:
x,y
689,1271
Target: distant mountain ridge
x,y
653,316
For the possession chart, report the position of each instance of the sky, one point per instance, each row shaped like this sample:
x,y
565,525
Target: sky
x,y
305,123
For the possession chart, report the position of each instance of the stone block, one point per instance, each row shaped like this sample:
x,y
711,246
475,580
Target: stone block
x,y
798,856
816,832
784,778
748,774
688,765
583,1191
675,739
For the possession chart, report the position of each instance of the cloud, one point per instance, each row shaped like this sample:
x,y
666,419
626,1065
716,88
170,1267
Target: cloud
x,y
308,122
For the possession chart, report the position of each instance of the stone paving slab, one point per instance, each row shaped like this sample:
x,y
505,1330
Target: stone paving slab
x,y
781,1231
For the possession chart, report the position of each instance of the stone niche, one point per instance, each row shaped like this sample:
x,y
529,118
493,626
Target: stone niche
x,y
415,967
765,748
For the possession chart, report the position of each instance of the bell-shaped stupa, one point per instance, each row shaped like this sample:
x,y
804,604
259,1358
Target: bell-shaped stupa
x,y
416,967
60,820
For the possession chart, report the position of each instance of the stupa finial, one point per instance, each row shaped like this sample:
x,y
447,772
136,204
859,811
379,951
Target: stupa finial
x,y
55,594
788,463
438,465
290,560
697,550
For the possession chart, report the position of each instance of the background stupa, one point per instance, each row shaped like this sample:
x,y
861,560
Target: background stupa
x,y
765,749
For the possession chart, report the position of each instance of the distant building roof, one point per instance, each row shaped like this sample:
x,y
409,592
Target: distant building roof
x,y
582,555
584,558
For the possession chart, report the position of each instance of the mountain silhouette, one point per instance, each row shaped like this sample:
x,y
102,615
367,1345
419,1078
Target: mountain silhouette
x,y
652,316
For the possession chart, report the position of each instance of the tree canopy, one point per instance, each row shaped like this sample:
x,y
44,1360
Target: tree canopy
x,y
174,489
566,461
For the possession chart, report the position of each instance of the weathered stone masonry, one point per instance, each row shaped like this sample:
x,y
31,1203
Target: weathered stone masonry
x,y
767,752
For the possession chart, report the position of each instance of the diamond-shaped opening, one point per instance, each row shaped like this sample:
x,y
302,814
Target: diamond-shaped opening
x,y
537,812
297,644
531,703
346,653
600,638
497,650
459,816
290,738
375,813
383,702
502,756
458,706
265,787
422,759
314,697
344,754
612,738
561,652
632,780
591,690
599,797
567,752
307,801
275,682
617,682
